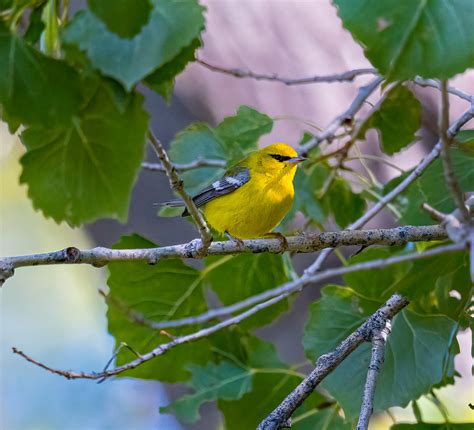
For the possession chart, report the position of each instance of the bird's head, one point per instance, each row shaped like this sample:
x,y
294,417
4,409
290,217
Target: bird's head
x,y
278,157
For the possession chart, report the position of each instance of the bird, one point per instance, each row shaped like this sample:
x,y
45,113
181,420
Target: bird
x,y
253,196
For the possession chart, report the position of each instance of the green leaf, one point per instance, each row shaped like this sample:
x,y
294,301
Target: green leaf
x,y
397,120
162,80
122,17
230,141
35,89
240,133
345,204
85,169
197,140
234,278
465,141
403,39
272,381
431,188
307,184
168,290
429,426
416,352
172,26
214,381
376,283
320,419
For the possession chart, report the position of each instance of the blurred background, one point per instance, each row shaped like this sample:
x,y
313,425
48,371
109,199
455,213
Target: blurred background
x,y
55,313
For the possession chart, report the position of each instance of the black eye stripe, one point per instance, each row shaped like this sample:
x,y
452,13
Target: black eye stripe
x,y
280,158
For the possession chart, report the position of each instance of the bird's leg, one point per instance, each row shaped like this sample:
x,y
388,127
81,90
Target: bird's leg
x,y
280,237
236,240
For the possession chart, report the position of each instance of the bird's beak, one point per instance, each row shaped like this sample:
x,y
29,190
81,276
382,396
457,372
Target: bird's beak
x,y
297,160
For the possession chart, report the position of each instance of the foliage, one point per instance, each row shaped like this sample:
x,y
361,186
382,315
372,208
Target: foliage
x,y
73,85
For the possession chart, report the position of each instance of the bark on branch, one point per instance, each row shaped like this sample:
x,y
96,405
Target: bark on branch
x,y
271,296
280,417
379,340
176,185
304,243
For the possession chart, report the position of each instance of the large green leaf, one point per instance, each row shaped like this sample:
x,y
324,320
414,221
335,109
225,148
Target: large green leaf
x,y
123,17
397,120
162,80
431,38
168,290
35,89
234,278
85,169
415,357
272,381
428,282
230,141
431,188
172,26
225,381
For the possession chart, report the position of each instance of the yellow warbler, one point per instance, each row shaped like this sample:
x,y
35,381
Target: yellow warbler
x,y
252,198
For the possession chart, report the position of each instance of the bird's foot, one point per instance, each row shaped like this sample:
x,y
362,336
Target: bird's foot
x,y
281,239
236,240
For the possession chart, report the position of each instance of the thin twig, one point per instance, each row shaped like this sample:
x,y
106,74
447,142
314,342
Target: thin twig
x,y
271,296
452,90
449,176
195,164
402,186
345,118
303,243
176,185
241,73
284,290
379,340
280,417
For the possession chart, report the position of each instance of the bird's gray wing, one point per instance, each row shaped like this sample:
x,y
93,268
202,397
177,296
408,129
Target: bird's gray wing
x,y
232,180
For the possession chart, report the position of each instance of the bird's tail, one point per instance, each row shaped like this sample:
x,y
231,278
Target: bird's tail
x,y
174,204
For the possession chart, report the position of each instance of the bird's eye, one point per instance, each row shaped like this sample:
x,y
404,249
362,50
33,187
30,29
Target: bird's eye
x,y
280,158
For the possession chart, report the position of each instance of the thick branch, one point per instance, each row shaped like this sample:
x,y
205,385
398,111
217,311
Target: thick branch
x,y
337,77
271,296
307,242
449,176
281,415
379,340
177,185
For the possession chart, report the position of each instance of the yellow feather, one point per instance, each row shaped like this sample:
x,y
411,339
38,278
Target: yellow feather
x,y
258,206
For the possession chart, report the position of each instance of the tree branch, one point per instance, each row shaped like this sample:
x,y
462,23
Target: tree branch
x,y
176,184
196,164
402,186
452,90
271,296
280,417
446,139
379,340
240,73
345,118
304,243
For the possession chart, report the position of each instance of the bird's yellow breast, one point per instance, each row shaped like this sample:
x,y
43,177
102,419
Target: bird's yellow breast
x,y
254,209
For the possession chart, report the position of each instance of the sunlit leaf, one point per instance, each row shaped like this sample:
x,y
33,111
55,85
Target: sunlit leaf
x,y
403,39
